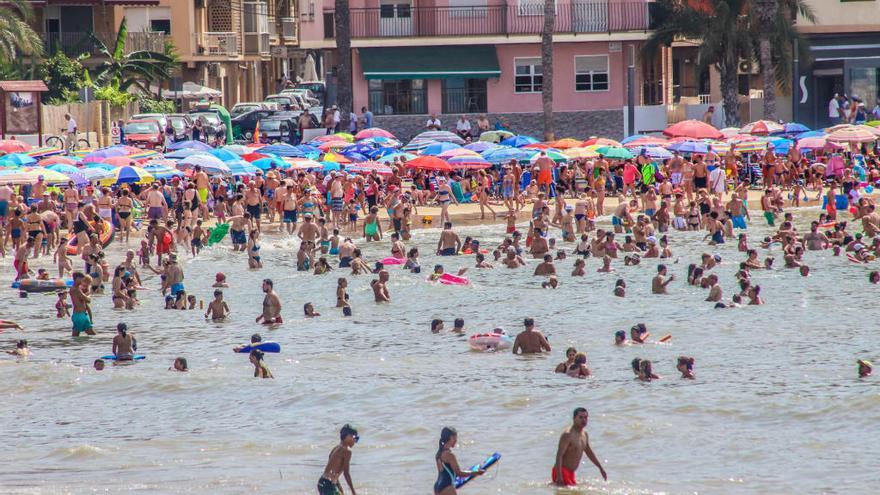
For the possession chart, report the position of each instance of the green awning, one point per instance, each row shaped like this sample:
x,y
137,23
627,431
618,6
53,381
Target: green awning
x,y
430,62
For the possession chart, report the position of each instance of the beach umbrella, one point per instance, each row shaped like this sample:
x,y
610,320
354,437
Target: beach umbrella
x,y
741,138
519,141
601,141
762,127
329,166
556,156
615,152
267,163
729,131
252,157
580,153
359,148
810,134
538,146
224,155
209,163
481,146
427,162
334,157
632,138
417,145
355,157
750,146
128,175
305,164
99,166
333,145
566,143
373,132
504,155
795,128
654,152
437,148
282,149
468,162
815,143
446,155
495,136
693,129
119,161
442,136
852,134
780,144
369,167
873,130
191,145
102,154
160,171
379,152
873,123
391,157
50,177
345,136
381,141
323,139
309,149
718,146
93,173
240,167
689,147
19,159
14,146
183,153
238,149
646,141
144,155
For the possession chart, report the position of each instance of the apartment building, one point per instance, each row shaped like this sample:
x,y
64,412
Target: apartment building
x,y
844,48
223,44
412,58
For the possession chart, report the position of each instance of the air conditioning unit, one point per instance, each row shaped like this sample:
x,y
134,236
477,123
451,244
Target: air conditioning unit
x,y
288,27
747,67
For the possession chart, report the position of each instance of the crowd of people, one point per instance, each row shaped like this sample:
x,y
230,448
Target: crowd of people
x,y
331,214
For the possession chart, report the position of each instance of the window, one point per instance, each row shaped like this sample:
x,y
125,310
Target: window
x,y
591,73
467,8
154,19
391,11
533,7
528,76
256,18
393,97
464,96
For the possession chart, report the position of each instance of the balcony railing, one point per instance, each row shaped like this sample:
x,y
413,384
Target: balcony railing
x,y
256,43
216,44
520,17
74,43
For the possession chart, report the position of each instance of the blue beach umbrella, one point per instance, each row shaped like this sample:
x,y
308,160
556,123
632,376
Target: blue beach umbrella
x,y
182,153
500,156
224,155
282,149
437,148
519,141
241,167
192,145
481,146
809,134
266,163
329,166
355,157
359,148
689,147
19,159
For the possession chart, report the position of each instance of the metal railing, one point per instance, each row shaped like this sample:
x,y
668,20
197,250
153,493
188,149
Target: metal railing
x,y
403,102
74,43
257,43
519,17
464,100
214,44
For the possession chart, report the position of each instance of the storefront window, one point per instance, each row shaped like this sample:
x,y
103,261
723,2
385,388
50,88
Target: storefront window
x,y
864,83
398,97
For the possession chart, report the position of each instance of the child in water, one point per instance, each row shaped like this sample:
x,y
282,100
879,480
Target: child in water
x,y
61,306
218,310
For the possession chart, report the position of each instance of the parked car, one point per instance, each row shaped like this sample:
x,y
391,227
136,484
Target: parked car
x,y
244,124
318,89
284,102
245,107
277,129
304,94
161,118
181,124
144,134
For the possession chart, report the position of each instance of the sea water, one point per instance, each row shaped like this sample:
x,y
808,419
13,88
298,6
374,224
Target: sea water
x,y
776,406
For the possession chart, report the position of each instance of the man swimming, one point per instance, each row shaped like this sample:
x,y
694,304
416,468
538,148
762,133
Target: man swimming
x,y
530,340
271,305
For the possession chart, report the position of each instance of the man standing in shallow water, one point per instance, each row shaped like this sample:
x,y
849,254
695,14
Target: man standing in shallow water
x,y
338,464
573,444
530,341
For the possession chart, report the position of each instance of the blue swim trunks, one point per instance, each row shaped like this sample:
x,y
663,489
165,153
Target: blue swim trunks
x,y
175,288
739,222
238,236
616,221
81,322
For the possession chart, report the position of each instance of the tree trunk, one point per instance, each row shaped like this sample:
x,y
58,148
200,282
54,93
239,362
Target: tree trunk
x,y
766,11
342,20
729,91
547,68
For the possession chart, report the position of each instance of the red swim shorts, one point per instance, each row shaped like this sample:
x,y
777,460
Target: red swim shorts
x,y
545,177
568,478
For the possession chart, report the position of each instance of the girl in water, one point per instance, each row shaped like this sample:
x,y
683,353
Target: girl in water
x,y
260,368
253,249
686,367
447,465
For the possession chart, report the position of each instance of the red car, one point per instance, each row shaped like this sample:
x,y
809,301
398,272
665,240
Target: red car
x,y
144,134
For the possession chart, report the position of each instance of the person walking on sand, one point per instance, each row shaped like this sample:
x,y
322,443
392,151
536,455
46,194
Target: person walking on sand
x,y
338,464
573,444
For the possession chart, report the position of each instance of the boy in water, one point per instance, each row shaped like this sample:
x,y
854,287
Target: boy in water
x,y
338,464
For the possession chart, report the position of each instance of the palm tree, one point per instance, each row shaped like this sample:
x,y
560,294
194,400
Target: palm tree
x,y
17,37
342,21
547,68
773,26
722,27
124,70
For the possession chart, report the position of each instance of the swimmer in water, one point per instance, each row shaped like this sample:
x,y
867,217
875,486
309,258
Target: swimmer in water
x,y
21,349
550,283
659,282
338,464
218,310
458,326
570,354
579,269
530,340
260,368
620,288
865,368
271,305
179,365
436,326
639,333
309,310
98,364
620,338
686,367
4,324
255,339
579,369
341,292
380,287
646,373
124,343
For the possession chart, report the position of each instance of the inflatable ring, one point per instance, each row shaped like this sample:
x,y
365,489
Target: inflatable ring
x,y
393,261
105,238
34,285
489,341
448,279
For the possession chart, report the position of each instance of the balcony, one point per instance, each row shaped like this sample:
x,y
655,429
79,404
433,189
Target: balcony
x,y
216,44
256,43
75,43
522,17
